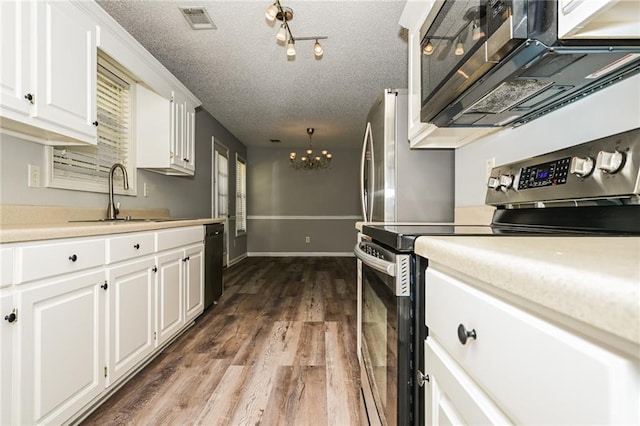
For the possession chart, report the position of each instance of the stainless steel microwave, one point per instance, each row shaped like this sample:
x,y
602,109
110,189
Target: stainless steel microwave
x,y
491,63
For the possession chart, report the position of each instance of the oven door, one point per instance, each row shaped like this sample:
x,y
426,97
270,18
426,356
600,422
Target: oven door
x,y
385,334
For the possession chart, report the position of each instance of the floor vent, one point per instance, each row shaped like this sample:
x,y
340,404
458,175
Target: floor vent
x,y
198,18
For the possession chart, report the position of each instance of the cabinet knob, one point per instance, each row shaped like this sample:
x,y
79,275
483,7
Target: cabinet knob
x,y
464,334
155,269
95,123
73,258
29,97
185,259
12,317
104,286
185,159
136,246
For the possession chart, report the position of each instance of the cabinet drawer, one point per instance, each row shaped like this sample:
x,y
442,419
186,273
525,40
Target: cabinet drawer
x,y
130,246
46,260
180,237
536,372
6,267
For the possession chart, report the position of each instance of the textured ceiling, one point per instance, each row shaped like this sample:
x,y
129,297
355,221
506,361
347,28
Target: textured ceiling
x,y
244,79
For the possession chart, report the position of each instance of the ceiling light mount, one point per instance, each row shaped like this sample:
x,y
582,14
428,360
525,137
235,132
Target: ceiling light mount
x,y
284,35
310,161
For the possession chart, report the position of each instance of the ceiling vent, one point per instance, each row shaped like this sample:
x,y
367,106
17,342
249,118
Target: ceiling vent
x,y
198,18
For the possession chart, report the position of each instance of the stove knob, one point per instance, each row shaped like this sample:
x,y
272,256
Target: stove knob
x,y
505,182
581,167
610,162
493,183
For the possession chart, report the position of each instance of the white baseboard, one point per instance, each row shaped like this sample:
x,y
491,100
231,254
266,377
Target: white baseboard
x,y
236,260
300,254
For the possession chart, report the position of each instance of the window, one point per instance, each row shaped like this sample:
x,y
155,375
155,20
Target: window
x,y
241,195
222,184
86,168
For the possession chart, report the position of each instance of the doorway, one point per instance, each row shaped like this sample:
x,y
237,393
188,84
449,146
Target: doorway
x,y
220,191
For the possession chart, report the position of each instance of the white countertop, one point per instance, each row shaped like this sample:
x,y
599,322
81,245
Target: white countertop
x,y
595,280
47,231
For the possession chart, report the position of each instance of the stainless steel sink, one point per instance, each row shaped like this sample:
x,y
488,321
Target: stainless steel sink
x,y
127,220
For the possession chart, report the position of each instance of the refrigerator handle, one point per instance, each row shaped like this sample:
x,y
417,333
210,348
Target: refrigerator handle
x,y
363,201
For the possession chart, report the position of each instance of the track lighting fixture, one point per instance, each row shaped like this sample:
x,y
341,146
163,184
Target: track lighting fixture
x,y
285,14
459,49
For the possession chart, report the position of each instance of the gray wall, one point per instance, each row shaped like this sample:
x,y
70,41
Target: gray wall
x,y
610,111
286,205
183,196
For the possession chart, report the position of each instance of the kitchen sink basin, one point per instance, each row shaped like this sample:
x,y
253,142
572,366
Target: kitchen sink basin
x,y
127,220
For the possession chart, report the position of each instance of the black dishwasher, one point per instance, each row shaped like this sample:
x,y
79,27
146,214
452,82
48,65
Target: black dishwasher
x,y
213,247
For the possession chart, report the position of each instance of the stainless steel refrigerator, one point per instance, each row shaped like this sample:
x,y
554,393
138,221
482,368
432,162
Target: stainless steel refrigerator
x,y
399,184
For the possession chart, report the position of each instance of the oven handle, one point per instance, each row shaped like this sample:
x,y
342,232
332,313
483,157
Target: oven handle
x,y
380,265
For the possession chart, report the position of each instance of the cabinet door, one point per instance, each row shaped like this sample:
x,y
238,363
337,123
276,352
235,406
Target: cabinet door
x,y
7,341
178,155
189,148
61,334
66,68
131,307
194,282
170,295
451,397
14,67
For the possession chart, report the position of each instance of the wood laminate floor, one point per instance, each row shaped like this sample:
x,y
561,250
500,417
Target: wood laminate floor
x,y
278,349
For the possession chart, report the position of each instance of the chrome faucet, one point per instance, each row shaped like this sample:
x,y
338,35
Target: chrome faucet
x,y
112,212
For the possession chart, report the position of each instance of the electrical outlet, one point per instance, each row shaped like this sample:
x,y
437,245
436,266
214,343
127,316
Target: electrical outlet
x,y
489,165
34,176
307,239
146,189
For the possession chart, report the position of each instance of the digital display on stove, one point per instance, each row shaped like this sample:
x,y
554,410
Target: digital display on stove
x,y
542,174
545,174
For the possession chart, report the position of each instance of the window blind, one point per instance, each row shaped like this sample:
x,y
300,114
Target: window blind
x,y
90,164
222,165
241,196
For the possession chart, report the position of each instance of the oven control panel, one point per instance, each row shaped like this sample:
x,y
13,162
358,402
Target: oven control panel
x,y
607,168
539,175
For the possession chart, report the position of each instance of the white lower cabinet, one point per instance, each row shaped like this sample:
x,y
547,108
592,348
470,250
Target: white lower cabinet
x,y
180,290
131,313
194,282
61,350
7,344
170,305
88,313
491,362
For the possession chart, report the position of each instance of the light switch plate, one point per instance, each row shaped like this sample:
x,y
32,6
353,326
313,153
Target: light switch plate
x,y
146,189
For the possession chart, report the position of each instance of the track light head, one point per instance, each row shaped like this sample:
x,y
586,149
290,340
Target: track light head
x,y
271,12
428,48
291,48
318,50
282,33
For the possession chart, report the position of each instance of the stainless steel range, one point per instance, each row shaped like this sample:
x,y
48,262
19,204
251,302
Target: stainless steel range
x,y
592,189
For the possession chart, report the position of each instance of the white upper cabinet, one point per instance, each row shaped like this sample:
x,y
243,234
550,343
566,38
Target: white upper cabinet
x,y
49,71
599,19
14,80
165,133
427,135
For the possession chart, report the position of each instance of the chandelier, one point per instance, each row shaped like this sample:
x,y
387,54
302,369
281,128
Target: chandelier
x,y
285,14
308,161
